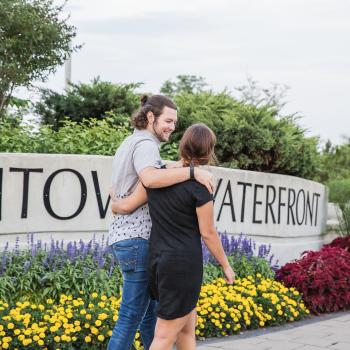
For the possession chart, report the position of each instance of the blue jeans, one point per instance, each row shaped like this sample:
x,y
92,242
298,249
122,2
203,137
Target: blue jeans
x,y
137,310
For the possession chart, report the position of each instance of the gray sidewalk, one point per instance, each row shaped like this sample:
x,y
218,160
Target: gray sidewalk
x,y
331,331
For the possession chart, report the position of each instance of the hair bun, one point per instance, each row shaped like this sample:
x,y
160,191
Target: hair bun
x,y
144,100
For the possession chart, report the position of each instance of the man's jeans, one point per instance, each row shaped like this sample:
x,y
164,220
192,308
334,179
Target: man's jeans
x,y
137,310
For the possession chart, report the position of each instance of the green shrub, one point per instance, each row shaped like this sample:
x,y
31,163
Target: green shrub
x,y
250,137
89,137
339,190
335,162
169,151
242,265
54,269
85,101
39,274
339,193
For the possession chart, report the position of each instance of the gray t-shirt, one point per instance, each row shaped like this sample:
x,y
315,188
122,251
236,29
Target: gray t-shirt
x,y
137,152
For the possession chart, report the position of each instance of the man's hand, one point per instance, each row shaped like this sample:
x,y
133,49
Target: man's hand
x,y
178,164
205,178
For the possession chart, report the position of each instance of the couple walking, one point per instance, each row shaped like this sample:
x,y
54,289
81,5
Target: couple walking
x,y
161,214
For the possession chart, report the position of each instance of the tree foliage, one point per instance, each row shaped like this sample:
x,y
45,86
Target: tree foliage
x,y
83,101
335,162
91,136
250,137
183,84
34,40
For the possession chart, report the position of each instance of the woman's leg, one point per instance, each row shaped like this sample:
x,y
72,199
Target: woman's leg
x,y
166,332
186,340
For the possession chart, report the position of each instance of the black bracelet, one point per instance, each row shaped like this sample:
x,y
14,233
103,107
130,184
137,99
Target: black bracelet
x,y
191,171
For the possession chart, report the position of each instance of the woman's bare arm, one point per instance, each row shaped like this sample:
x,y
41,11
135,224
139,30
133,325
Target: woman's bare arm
x,y
131,203
205,214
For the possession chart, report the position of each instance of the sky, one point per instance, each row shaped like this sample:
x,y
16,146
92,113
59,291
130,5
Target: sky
x,y
304,44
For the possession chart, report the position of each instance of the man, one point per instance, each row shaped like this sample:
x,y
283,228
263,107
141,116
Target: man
x,y
138,159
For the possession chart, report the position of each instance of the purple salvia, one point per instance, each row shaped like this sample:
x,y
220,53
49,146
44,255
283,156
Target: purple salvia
x,y
16,249
26,266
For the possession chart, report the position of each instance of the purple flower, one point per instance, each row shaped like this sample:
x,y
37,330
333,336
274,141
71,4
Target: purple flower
x,y
27,265
240,245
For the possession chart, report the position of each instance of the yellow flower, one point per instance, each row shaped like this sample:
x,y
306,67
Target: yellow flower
x,y
87,339
94,330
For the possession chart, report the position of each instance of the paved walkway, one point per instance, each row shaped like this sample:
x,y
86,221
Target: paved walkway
x,y
330,332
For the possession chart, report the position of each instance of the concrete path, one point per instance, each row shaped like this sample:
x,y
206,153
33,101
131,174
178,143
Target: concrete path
x,y
330,332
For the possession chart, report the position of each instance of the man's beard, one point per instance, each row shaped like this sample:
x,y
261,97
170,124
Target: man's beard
x,y
159,136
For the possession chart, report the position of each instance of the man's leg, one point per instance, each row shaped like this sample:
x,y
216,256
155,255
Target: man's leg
x,y
132,257
148,325
135,301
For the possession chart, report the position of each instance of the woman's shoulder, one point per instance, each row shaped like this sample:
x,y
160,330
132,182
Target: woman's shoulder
x,y
197,185
197,190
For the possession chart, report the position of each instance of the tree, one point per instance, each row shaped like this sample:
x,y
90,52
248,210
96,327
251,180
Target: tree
x,y
335,162
34,40
85,101
256,95
185,83
250,137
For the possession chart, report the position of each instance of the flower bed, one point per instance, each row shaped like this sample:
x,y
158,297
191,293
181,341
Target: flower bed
x,y
86,322
340,242
48,270
323,277
249,303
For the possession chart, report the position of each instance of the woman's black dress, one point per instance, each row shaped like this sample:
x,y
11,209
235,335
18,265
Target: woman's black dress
x,y
175,260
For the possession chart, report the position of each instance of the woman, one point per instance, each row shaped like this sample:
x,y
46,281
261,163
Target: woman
x,y
181,214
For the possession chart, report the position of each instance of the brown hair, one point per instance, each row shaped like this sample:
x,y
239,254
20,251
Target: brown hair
x,y
197,145
154,104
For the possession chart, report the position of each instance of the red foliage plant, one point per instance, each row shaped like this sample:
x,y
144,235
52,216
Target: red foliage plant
x,y
341,242
323,278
